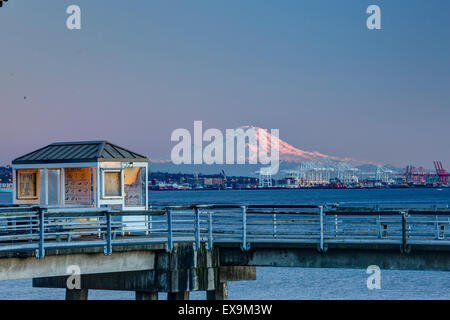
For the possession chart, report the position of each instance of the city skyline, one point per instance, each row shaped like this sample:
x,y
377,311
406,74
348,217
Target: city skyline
x,y
136,72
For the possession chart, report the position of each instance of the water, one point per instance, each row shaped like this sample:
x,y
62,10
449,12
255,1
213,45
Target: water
x,y
408,197
344,196
5,197
293,283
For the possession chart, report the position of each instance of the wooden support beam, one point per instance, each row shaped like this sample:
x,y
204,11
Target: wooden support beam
x,y
237,273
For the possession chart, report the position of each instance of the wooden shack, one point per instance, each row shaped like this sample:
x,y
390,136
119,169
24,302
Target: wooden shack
x,y
91,174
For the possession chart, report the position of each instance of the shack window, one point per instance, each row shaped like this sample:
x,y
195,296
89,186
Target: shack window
x,y
54,186
112,183
27,186
134,186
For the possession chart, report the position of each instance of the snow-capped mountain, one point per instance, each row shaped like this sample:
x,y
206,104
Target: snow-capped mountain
x,y
289,153
290,158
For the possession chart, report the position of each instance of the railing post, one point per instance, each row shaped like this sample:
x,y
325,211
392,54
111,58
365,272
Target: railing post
x,y
321,246
40,252
437,227
336,228
274,223
149,225
380,228
108,248
404,248
210,231
169,245
30,221
197,228
245,245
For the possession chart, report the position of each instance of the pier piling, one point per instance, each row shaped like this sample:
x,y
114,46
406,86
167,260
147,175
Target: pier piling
x,y
143,295
76,294
184,295
220,293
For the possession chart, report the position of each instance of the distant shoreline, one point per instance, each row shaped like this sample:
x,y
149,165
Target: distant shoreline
x,y
308,188
284,188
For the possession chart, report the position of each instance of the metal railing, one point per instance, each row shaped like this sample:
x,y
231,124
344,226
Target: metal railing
x,y
37,229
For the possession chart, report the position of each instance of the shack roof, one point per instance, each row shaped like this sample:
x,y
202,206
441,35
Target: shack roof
x,y
83,151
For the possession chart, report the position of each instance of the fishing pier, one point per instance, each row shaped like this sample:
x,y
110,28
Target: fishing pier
x,y
201,247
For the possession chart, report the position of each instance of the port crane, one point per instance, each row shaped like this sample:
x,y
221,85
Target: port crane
x,y
417,175
421,175
441,172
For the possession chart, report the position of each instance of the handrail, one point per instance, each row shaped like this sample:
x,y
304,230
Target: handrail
x,y
36,229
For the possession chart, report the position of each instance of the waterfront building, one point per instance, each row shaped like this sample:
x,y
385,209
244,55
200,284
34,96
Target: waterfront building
x,y
91,174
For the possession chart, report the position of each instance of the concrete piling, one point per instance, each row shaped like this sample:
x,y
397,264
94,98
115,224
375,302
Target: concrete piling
x,y
183,295
220,293
76,294
142,295
178,272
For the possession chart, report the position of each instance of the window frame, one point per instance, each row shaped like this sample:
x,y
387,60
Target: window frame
x,y
120,171
36,187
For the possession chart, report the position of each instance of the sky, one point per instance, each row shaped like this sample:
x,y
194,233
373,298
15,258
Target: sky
x,y
137,70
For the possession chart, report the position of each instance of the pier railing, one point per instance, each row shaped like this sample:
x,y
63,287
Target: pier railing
x,y
38,229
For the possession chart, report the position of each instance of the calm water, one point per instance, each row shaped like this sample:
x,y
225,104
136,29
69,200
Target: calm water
x,y
293,283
